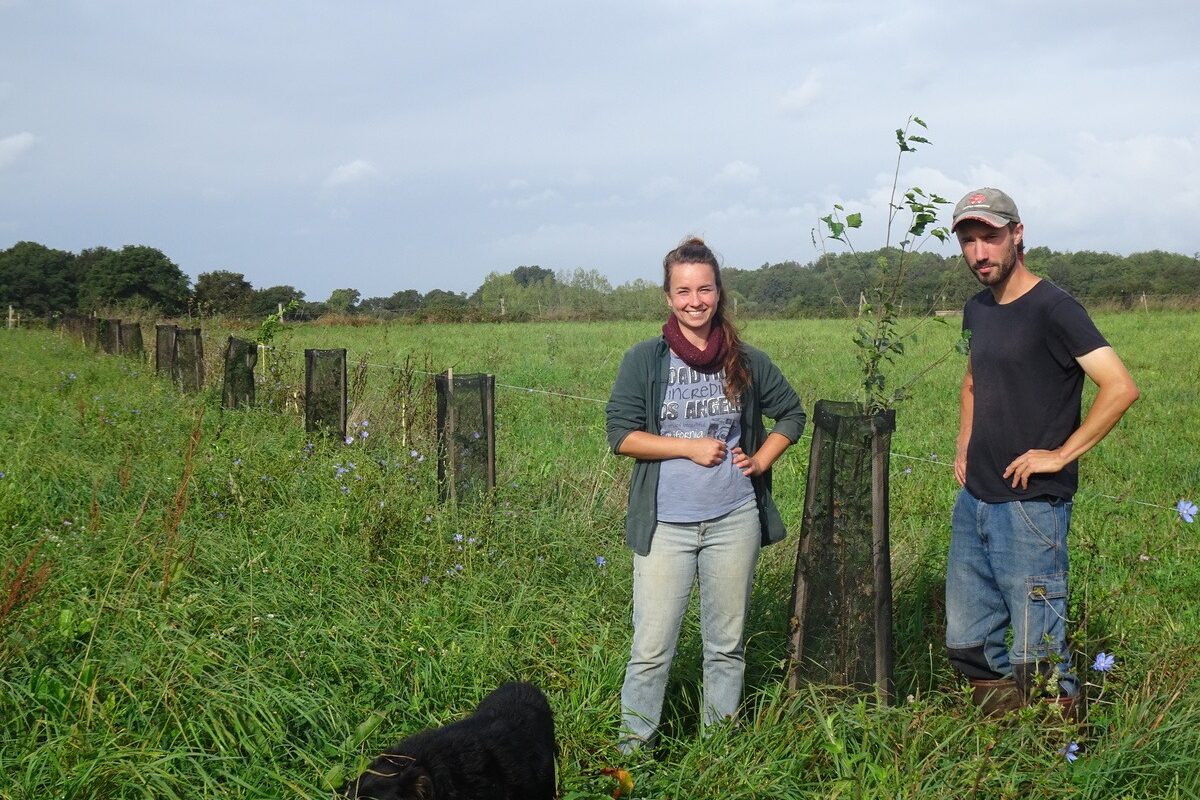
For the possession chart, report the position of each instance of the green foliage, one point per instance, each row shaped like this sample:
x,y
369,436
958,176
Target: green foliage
x,y
223,292
274,322
135,276
877,334
37,279
342,301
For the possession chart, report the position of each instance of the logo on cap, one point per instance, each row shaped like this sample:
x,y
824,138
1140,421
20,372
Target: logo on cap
x,y
976,199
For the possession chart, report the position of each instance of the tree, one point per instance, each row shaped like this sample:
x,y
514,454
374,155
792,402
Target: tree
x,y
37,279
223,292
342,301
529,276
265,301
405,301
138,276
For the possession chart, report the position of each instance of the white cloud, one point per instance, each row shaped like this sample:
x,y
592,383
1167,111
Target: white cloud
x,y
738,172
15,146
351,172
801,97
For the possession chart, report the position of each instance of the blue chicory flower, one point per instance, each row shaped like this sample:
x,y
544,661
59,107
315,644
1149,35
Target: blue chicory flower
x,y
424,579
349,440
458,537
1104,661
1187,510
3,475
601,561
1071,751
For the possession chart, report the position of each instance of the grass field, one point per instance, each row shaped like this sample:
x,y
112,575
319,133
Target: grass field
x,y
201,603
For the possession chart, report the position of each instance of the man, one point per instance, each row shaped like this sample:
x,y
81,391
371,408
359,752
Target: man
x,y
1018,443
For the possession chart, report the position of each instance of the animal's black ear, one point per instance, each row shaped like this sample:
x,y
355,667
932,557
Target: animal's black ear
x,y
418,785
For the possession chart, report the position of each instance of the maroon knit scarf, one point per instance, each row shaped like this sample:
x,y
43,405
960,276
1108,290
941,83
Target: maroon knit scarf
x,y
710,360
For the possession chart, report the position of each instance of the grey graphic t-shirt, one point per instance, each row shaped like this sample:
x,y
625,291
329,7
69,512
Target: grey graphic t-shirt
x,y
695,406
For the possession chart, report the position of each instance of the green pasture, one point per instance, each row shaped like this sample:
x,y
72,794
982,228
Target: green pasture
x,y
207,603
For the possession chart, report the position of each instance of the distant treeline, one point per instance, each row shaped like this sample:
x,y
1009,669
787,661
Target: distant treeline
x,y
44,282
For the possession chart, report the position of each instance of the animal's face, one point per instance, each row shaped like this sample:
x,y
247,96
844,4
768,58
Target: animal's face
x,y
392,777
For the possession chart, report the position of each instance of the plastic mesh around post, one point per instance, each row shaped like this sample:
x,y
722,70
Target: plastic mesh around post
x,y
240,359
325,391
131,339
466,413
189,359
841,596
108,335
164,349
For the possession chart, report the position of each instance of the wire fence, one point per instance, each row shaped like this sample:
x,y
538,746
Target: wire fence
x,y
287,396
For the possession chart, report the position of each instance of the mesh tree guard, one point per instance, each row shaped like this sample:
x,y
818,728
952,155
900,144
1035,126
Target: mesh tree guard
x,y
240,359
131,339
76,328
325,391
164,349
108,335
188,359
842,592
466,415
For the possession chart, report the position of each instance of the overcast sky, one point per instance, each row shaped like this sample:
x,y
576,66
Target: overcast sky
x,y
393,145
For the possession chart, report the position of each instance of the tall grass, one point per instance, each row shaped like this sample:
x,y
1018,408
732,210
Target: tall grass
x,y
228,608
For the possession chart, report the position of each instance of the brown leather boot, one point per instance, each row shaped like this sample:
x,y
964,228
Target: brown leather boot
x,y
996,697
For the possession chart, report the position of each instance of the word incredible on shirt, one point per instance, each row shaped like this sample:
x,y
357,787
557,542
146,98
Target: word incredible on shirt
x,y
693,395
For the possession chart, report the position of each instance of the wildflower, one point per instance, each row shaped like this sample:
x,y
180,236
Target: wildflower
x,y
475,434
1071,751
364,423
933,456
458,537
420,459
424,579
237,462
364,435
908,470
1104,661
458,567
345,489
349,440
601,561
428,518
471,540
1143,557
3,475
70,376
351,465
413,453
1187,510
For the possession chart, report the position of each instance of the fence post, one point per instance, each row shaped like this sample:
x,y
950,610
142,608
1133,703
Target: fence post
x,y
10,317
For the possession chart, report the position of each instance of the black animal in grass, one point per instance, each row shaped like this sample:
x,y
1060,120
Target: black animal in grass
x,y
505,750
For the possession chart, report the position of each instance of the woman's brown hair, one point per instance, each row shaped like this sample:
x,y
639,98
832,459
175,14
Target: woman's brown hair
x,y
693,250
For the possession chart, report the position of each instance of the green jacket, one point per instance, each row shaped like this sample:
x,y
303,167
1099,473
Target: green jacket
x,y
635,405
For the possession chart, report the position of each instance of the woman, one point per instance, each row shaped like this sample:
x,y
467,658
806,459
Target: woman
x,y
688,407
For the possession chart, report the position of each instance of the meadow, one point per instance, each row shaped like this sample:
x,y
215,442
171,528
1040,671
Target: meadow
x,y
208,603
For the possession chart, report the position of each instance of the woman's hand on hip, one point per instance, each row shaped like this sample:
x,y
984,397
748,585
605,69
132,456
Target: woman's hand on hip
x,y
707,452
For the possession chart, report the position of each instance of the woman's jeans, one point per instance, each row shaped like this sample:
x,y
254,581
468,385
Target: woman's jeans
x,y
722,553
1008,569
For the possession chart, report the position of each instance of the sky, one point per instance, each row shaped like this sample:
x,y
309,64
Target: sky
x,y
397,145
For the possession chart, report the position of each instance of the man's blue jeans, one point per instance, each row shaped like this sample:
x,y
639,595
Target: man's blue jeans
x,y
1008,570
722,554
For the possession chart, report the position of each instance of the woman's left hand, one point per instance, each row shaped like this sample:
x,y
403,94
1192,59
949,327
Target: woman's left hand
x,y
746,464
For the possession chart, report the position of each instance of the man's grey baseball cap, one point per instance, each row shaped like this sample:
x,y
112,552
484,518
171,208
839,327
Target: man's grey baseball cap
x,y
986,205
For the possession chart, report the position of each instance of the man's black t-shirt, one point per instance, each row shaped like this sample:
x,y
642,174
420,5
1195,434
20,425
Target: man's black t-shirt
x,y
1027,387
